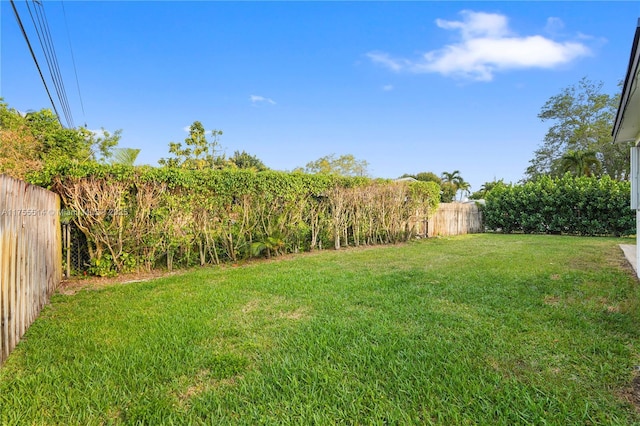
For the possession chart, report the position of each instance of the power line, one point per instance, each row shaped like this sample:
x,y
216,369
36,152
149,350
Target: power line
x,y
26,38
44,36
73,60
64,98
52,54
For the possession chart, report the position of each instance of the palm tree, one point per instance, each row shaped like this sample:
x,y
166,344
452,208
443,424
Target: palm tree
x,y
455,181
580,163
486,188
453,177
124,156
464,187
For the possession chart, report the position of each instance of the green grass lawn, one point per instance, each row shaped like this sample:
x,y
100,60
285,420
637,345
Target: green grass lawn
x,y
483,329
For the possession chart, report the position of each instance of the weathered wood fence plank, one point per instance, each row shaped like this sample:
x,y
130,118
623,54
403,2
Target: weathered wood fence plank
x,y
455,219
30,257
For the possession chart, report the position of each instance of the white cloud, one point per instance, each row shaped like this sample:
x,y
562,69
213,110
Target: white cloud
x,y
486,46
261,99
478,24
387,61
387,87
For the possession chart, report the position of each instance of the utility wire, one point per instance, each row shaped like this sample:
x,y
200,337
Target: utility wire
x,y
44,35
64,100
44,47
26,38
44,44
52,48
73,60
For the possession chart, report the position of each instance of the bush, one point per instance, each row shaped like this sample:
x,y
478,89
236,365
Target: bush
x,y
567,205
140,216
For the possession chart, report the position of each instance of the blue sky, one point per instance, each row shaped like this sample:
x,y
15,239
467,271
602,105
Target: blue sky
x,y
406,86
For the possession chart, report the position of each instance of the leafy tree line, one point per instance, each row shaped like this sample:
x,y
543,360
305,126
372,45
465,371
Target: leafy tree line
x,y
345,165
576,182
199,152
199,206
578,142
451,183
143,217
567,205
579,139
30,141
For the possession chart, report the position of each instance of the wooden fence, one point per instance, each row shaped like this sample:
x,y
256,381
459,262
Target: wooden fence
x,y
455,219
30,256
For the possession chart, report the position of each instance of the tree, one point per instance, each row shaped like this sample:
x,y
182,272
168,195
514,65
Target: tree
x,y
18,153
30,141
485,189
451,177
103,144
198,152
345,165
452,182
464,188
58,142
244,160
424,177
582,118
124,156
449,183
428,177
580,163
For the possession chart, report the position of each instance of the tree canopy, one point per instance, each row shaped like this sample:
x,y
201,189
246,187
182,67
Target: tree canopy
x,y
581,163
424,177
29,141
452,182
198,151
581,118
485,189
124,156
244,160
345,165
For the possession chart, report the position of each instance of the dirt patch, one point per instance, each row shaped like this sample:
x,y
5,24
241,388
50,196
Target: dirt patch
x,y
613,309
203,382
592,260
298,314
251,306
74,285
632,393
552,300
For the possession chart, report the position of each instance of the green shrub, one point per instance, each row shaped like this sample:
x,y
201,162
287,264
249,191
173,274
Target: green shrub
x,y
141,216
567,205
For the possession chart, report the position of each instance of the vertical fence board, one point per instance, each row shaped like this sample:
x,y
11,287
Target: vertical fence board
x,y
3,270
30,257
13,265
455,219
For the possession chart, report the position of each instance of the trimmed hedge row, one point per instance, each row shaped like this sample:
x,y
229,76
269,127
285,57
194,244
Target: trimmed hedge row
x,y
137,217
567,205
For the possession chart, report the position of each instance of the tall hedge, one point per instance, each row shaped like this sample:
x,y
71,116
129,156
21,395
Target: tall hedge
x,y
142,217
567,205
